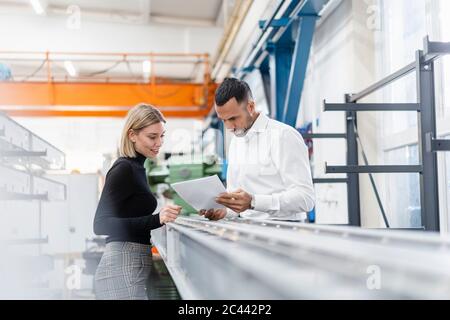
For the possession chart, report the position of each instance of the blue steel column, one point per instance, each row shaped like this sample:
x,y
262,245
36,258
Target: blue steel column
x,y
298,69
280,59
264,70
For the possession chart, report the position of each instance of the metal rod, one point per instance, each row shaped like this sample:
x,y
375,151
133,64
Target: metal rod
x,y
371,106
440,145
274,35
387,80
324,135
353,200
372,182
22,153
257,47
329,180
22,196
379,236
27,241
374,169
115,54
268,24
433,50
426,120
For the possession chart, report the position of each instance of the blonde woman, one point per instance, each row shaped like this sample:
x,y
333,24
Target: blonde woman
x,y
125,211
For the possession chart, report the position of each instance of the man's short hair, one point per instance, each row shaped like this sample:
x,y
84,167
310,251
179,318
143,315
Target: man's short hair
x,y
233,88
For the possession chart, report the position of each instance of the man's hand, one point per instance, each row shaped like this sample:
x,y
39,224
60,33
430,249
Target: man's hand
x,y
169,213
238,201
213,214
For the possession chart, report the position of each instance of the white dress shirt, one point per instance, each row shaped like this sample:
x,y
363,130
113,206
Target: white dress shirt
x,y
271,163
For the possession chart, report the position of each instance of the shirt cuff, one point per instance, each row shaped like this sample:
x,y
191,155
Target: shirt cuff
x,y
266,202
231,214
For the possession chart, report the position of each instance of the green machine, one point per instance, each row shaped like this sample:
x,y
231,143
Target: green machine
x,y
177,169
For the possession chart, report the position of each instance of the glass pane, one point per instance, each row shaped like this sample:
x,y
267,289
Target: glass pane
x,y
404,25
403,211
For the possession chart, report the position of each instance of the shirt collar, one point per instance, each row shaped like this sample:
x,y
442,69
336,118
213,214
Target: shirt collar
x,y
259,125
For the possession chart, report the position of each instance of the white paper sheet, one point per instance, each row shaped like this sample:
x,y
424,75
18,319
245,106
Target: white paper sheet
x,y
200,193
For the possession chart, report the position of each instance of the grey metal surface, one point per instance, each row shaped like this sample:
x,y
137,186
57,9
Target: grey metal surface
x,y
324,135
433,50
440,145
373,169
248,259
354,218
428,145
371,107
426,121
330,180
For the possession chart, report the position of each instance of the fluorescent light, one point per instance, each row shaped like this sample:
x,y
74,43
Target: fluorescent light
x,y
146,67
37,6
70,68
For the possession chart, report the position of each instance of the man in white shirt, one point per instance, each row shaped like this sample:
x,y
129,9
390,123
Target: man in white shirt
x,y
268,175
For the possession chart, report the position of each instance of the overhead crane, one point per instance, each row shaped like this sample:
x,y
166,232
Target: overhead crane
x,y
49,90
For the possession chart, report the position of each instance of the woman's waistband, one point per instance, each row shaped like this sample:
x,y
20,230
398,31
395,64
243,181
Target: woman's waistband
x,y
129,246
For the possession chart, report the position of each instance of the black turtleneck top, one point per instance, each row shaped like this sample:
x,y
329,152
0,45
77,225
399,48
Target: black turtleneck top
x,y
124,212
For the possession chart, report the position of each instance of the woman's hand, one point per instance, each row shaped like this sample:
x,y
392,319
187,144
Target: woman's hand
x,y
169,213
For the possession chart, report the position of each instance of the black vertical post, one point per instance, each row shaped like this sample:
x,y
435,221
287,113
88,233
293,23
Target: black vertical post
x,y
354,217
427,130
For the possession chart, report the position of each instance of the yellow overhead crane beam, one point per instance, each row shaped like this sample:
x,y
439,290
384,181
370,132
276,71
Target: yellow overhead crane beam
x,y
52,92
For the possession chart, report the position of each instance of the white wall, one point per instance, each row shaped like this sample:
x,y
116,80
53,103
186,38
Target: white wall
x,y
341,61
20,219
67,224
40,33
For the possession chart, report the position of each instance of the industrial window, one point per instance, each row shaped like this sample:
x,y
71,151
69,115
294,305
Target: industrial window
x,y
444,13
402,31
404,23
403,192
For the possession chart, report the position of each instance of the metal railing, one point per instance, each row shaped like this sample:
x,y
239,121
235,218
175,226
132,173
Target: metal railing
x,y
249,259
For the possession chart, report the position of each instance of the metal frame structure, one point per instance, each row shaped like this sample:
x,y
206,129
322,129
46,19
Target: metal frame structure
x,y
428,144
281,55
21,147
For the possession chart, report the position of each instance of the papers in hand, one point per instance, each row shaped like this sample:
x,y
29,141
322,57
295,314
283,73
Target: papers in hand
x,y
200,193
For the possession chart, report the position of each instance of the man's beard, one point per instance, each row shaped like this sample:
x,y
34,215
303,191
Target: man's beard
x,y
240,132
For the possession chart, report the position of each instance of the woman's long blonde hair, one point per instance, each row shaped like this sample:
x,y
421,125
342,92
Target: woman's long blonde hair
x,y
141,116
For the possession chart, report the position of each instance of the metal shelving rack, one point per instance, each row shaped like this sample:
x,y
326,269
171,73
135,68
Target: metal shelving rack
x,y
428,143
24,159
